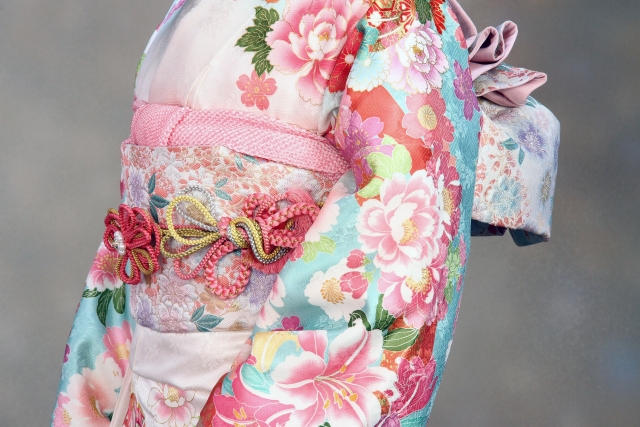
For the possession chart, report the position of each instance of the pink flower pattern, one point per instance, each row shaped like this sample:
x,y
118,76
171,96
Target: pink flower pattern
x,y
418,62
171,406
309,39
256,89
404,225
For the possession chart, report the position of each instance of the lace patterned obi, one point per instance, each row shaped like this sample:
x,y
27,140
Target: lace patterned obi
x,y
214,157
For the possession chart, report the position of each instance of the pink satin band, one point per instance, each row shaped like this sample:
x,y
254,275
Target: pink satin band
x,y
159,125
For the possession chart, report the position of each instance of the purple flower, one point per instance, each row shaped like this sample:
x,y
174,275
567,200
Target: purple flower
x,y
137,190
67,351
463,85
532,140
362,134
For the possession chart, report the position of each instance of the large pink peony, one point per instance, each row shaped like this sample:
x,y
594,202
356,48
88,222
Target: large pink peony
x,y
92,394
172,406
340,390
418,62
419,298
404,225
308,40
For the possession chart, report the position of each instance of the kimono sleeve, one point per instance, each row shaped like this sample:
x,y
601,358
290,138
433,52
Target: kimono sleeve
x,y
356,330
516,172
518,152
97,352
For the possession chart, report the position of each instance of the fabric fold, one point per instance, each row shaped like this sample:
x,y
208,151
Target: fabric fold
x,y
488,49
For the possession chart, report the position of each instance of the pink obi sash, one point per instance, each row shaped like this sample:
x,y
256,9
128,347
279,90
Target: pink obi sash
x,y
255,135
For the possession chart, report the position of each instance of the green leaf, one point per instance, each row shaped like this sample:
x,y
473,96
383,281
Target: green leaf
x,y
311,249
221,183
158,201
223,194
154,213
205,322
250,159
90,293
119,299
309,252
152,184
238,162
103,305
510,144
256,379
448,291
423,7
383,318
263,66
385,166
254,39
197,314
400,339
261,55
521,156
372,189
359,314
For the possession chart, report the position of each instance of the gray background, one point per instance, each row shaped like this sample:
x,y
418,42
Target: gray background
x,y
547,335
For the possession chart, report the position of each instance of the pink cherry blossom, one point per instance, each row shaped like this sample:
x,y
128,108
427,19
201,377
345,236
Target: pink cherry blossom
x,y
103,273
404,225
308,40
340,390
118,342
256,89
419,298
92,394
172,406
418,62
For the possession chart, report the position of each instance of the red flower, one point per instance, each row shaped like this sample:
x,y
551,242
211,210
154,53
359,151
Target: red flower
x,y
256,89
338,79
438,15
354,283
135,237
356,258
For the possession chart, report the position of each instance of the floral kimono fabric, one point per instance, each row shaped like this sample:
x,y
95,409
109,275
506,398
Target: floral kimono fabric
x,y
299,191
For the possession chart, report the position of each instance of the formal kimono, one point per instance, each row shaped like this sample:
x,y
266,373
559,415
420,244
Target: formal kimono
x,y
299,190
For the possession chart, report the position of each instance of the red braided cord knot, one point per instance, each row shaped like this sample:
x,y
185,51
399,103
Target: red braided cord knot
x,y
132,233
278,230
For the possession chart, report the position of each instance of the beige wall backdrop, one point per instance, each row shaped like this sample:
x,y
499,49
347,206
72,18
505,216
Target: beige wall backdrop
x,y
547,335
